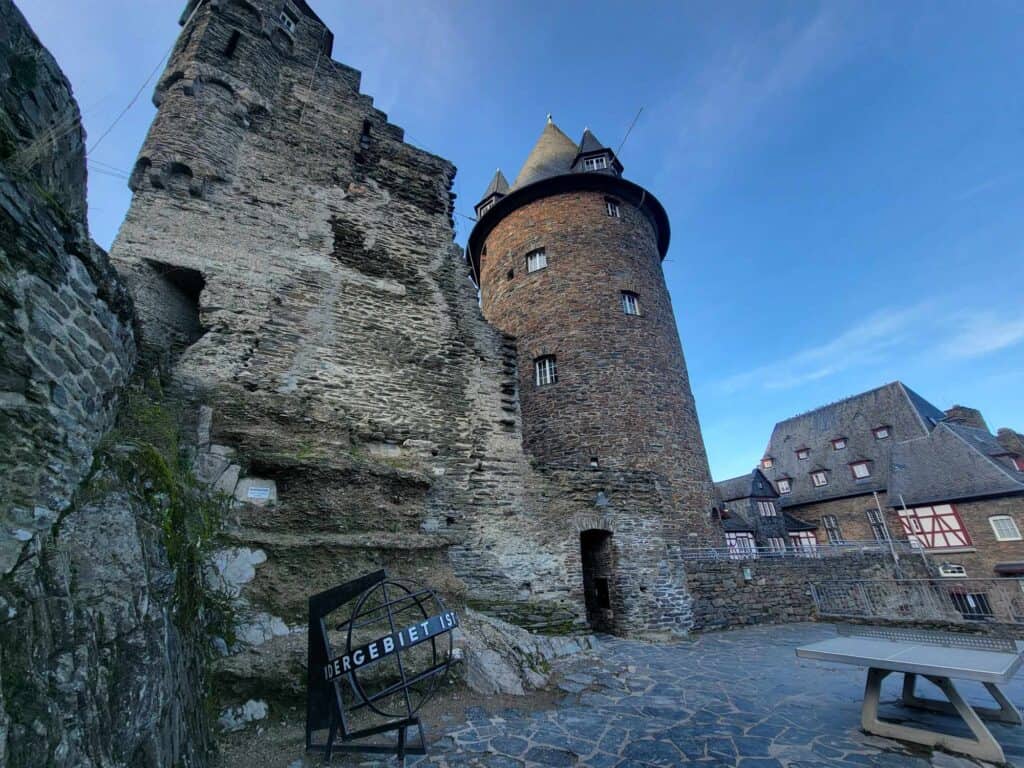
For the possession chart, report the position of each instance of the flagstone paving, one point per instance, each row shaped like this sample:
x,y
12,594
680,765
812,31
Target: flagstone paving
x,y
737,698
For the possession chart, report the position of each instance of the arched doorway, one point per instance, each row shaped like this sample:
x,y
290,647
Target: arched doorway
x,y
597,556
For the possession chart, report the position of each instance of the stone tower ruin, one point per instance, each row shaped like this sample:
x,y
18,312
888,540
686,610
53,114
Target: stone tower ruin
x,y
292,261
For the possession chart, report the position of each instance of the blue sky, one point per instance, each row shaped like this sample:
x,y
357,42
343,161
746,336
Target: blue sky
x,y
844,180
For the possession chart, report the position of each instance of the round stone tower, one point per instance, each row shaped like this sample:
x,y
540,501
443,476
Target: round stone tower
x,y
568,261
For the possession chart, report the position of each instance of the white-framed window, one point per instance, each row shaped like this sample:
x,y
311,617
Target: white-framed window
x,y
630,303
839,444
1005,528
485,207
288,20
935,527
877,523
612,206
776,544
536,260
881,433
819,479
1019,463
595,163
952,570
804,542
766,508
741,545
784,486
831,524
767,462
861,469
802,454
545,371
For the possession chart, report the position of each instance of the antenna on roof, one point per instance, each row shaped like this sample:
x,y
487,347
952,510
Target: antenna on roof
x,y
628,130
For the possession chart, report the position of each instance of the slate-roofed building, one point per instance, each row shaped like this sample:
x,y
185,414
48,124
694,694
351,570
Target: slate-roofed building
x,y
751,517
888,463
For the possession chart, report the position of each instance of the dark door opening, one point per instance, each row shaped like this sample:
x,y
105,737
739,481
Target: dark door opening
x,y
596,554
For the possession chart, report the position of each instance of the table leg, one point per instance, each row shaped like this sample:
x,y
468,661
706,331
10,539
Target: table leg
x,y
983,746
1004,713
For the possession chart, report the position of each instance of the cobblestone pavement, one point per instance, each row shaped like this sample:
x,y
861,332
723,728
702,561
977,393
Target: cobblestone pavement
x,y
736,698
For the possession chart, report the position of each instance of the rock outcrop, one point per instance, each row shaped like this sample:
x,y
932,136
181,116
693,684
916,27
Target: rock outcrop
x,y
93,670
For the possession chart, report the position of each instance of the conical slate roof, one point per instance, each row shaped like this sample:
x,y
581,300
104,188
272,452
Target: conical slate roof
x,y
498,185
589,143
552,155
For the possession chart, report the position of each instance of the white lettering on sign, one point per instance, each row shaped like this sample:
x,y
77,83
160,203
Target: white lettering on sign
x,y
258,492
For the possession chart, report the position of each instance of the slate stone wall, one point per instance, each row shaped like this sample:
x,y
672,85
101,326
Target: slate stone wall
x,y
93,671
779,589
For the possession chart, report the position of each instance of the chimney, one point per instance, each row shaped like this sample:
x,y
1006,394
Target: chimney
x,y
969,417
1012,441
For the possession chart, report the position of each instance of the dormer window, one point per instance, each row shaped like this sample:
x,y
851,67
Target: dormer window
x,y
861,469
819,479
288,20
784,486
1018,461
839,444
595,163
767,462
881,433
802,453
612,206
536,260
545,371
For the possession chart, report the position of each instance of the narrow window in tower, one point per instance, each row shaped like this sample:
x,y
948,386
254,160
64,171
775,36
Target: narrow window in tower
x,y
288,20
536,260
364,137
229,51
630,303
595,163
612,207
544,370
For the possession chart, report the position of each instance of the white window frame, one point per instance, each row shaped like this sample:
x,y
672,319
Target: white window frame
x,y
1014,534
839,444
776,544
485,207
767,509
545,371
803,454
784,485
805,543
861,466
952,571
630,303
741,545
831,525
598,163
536,260
876,521
821,476
767,462
613,208
881,433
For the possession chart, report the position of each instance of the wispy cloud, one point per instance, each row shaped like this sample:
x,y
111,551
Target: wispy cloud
x,y
866,342
982,333
722,107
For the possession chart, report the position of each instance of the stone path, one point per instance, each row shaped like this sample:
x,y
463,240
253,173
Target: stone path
x,y
738,698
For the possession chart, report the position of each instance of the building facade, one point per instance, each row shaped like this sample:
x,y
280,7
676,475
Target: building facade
x,y
888,464
291,259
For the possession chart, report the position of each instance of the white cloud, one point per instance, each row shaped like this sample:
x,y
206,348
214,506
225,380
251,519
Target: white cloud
x,y
982,333
865,343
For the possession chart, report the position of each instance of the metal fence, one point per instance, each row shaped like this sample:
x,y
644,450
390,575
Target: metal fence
x,y
941,600
800,550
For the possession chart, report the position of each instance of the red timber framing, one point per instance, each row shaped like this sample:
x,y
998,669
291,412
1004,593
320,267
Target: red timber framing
x,y
935,527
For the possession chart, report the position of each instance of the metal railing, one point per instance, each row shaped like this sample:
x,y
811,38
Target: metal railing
x,y
941,600
800,551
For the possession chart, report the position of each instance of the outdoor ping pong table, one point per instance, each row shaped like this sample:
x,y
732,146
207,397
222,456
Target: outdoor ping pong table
x,y
938,657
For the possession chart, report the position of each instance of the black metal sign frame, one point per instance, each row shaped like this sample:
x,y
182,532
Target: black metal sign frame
x,y
327,671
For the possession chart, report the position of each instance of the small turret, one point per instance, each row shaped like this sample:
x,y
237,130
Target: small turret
x,y
593,156
496,190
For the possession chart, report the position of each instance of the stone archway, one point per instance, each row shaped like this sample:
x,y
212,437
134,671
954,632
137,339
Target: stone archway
x,y
597,557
